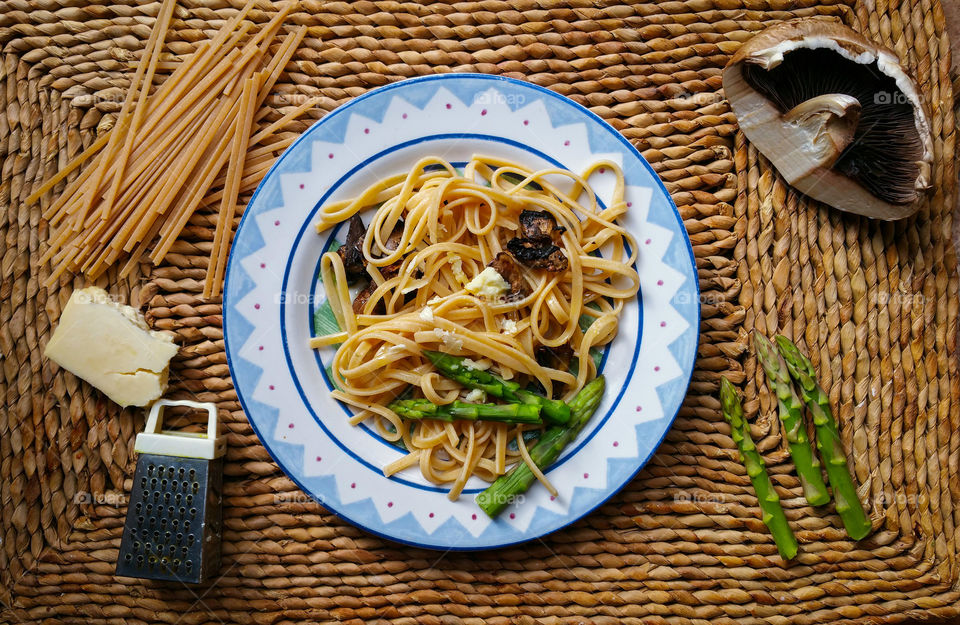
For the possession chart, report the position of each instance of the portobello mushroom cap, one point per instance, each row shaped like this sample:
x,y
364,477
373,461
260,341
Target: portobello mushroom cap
x,y
836,114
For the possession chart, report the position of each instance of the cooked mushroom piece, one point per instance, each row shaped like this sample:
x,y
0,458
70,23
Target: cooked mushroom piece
x,y
538,255
835,114
351,252
504,264
541,226
537,246
363,296
393,241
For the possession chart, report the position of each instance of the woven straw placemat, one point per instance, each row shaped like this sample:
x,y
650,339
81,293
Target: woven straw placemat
x,y
875,304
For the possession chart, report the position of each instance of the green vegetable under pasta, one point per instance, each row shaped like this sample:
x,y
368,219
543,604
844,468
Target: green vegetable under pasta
x,y
415,409
454,367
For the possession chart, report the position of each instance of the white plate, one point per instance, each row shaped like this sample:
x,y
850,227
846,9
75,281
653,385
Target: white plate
x,y
272,291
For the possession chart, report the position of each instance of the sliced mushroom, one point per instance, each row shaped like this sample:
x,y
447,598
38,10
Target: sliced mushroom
x,y
393,241
351,252
363,296
835,114
538,255
537,246
504,264
540,226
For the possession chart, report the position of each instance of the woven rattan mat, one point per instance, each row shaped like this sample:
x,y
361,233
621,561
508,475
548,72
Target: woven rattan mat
x,y
875,304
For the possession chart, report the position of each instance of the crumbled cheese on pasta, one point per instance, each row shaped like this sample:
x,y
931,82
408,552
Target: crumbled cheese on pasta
x,y
456,265
476,396
450,340
436,299
488,284
508,326
471,365
389,350
426,314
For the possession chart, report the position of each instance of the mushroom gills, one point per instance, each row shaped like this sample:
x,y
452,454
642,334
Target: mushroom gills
x,y
885,125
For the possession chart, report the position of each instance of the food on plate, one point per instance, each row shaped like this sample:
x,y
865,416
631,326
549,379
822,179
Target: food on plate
x,y
767,498
449,315
794,427
110,346
504,413
836,114
459,370
547,449
196,140
828,440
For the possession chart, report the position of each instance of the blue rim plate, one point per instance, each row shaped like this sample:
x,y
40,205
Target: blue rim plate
x,y
272,292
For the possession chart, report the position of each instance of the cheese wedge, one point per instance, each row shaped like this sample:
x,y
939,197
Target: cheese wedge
x,y
110,346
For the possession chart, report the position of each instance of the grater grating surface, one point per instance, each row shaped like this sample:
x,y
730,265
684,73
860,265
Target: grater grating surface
x,y
173,522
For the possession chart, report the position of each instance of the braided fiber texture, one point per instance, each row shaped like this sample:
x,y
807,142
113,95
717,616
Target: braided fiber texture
x,y
875,305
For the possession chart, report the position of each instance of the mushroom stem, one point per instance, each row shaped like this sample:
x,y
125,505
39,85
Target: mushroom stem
x,y
828,122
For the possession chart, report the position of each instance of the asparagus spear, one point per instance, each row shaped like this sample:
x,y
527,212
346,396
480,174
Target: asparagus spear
x,y
767,497
791,413
828,440
505,489
555,412
504,413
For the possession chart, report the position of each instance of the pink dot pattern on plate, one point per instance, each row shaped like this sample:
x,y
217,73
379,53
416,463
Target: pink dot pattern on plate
x,y
276,223
449,106
272,387
330,155
256,306
586,475
353,485
301,185
389,504
663,324
616,444
319,458
261,348
659,282
431,515
513,516
483,112
657,368
639,408
366,131
648,241
290,426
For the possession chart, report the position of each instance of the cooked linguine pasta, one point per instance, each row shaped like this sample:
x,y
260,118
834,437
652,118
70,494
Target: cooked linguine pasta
x,y
434,230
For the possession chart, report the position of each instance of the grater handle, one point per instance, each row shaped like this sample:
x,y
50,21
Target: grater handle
x,y
155,440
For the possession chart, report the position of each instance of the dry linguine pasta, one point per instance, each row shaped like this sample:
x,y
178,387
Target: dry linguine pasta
x,y
454,223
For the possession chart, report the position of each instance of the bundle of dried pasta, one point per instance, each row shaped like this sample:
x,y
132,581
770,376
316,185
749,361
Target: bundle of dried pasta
x,y
196,140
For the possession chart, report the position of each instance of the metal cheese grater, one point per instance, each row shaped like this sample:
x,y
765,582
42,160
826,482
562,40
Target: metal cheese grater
x,y
172,531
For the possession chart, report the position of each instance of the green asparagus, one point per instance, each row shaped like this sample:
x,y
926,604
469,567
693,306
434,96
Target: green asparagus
x,y
507,487
828,440
791,414
767,497
554,411
503,413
